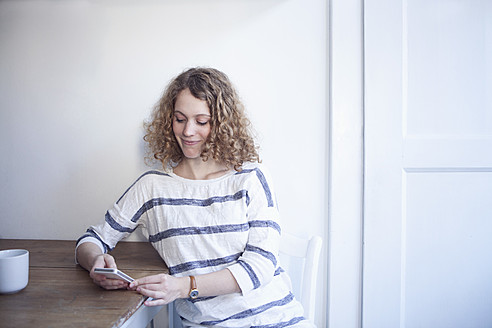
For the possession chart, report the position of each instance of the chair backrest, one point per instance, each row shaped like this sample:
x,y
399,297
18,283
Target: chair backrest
x,y
300,258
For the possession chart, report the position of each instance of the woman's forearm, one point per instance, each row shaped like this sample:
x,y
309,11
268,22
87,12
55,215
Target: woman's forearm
x,y
86,253
164,288
217,283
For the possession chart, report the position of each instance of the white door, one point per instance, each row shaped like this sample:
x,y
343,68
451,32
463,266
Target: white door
x,y
427,254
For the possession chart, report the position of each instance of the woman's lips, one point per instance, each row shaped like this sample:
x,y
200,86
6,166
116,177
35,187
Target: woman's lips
x,y
190,143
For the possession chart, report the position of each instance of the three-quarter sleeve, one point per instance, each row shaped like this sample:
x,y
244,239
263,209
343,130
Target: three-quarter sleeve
x,y
120,220
257,264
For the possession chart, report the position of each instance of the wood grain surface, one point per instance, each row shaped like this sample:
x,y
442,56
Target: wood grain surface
x,y
61,294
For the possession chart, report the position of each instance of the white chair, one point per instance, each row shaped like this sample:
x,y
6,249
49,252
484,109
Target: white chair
x,y
300,259
174,319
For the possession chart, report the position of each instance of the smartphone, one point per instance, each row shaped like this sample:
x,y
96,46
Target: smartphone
x,y
113,274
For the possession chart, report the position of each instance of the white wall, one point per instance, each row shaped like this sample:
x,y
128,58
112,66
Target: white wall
x,y
77,78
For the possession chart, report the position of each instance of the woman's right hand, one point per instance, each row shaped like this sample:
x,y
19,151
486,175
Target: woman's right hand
x,y
106,261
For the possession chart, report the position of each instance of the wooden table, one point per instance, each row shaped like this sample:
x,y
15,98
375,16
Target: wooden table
x,y
61,294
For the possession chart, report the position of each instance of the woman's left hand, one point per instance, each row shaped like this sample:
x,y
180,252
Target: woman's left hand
x,y
163,288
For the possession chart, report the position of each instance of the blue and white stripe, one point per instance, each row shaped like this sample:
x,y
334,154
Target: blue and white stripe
x,y
204,226
115,225
208,263
189,231
143,175
266,254
252,312
90,233
264,183
189,202
283,324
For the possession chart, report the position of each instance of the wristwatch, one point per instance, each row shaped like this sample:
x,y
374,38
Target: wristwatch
x,y
193,289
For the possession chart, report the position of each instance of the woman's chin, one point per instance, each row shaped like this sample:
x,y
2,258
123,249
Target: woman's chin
x,y
191,155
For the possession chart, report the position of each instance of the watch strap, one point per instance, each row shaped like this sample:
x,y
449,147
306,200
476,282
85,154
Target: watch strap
x,y
193,288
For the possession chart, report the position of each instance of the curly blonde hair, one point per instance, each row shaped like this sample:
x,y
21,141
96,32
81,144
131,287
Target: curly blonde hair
x,y
230,141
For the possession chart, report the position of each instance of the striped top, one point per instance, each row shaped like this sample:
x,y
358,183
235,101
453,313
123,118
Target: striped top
x,y
202,226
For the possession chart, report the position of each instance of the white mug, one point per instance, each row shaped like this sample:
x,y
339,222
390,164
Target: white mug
x,y
14,270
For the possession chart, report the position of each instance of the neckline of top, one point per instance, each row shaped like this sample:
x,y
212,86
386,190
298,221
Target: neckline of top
x,y
208,181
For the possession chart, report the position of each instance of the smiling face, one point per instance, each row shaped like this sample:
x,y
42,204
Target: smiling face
x,y
191,124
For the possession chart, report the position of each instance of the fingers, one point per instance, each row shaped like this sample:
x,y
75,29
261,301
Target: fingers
x,y
162,288
106,261
155,279
156,297
112,284
102,261
108,283
155,302
109,261
156,294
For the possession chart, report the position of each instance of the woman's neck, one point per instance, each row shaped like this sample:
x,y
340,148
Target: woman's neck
x,y
197,169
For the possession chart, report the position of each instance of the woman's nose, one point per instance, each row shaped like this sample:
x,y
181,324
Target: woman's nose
x,y
189,129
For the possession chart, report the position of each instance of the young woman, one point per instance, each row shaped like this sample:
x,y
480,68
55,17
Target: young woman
x,y
211,214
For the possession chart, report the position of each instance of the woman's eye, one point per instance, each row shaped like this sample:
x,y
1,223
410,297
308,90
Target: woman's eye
x,y
202,123
179,120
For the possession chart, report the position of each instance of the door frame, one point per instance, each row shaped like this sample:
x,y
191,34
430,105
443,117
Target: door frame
x,y
346,162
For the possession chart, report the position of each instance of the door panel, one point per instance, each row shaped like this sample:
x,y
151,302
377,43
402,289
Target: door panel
x,y
447,60
447,244
427,164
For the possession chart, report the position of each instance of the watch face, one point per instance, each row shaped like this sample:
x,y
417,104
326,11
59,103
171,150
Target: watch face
x,y
194,293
